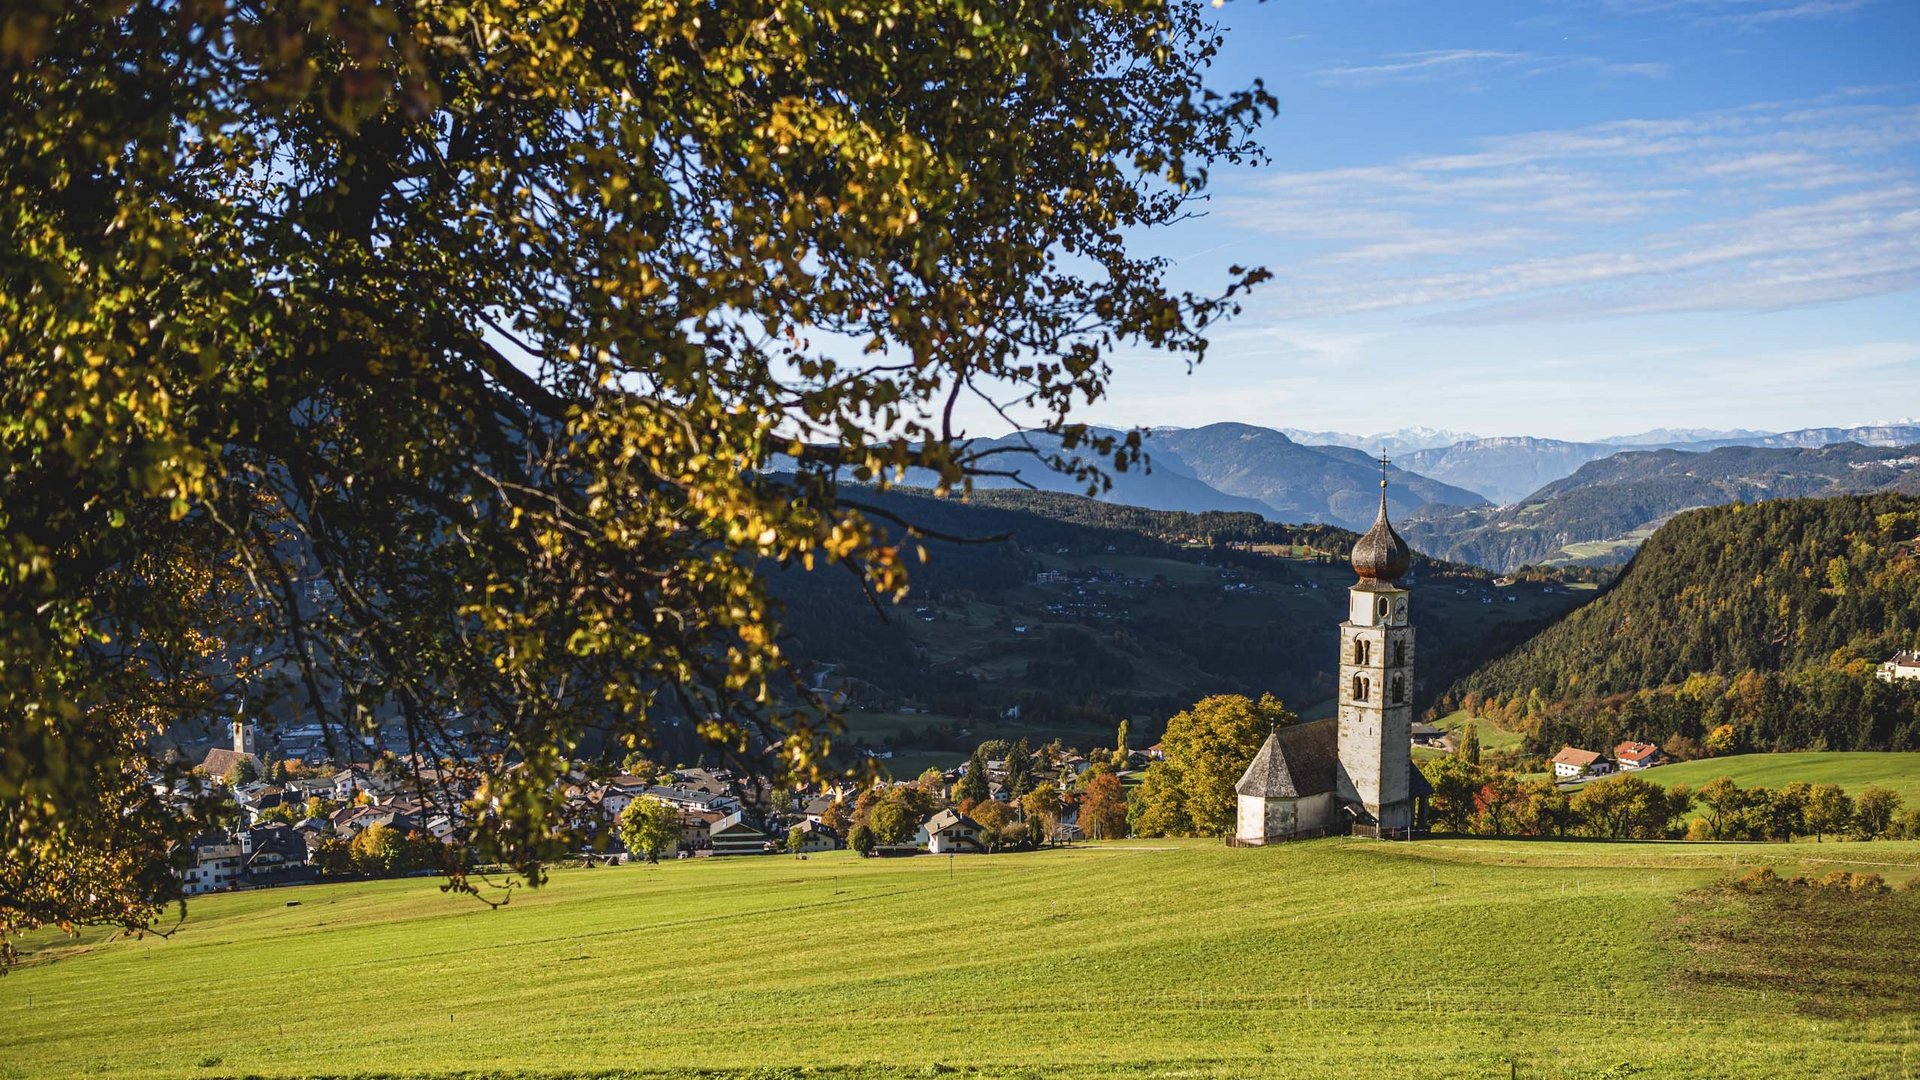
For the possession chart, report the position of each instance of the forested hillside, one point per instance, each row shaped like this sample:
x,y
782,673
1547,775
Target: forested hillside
x,y
1607,506
1737,627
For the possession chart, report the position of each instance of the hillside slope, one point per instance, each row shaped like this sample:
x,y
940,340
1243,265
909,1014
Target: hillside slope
x,y
1766,618
1607,506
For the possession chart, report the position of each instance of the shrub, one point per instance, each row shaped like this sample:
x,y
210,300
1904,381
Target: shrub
x,y
1760,877
1870,884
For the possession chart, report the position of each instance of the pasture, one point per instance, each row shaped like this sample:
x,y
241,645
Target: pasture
x,y
1854,771
1468,958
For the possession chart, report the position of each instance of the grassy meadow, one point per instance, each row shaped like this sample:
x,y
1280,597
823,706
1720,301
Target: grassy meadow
x,y
1855,771
1469,958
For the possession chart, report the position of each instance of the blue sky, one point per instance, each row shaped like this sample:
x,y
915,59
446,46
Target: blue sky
x,y
1570,218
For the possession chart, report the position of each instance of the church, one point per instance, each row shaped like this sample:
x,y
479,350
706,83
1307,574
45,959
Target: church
x,y
1353,772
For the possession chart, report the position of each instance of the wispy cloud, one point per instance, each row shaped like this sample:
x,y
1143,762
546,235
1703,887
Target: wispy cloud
x,y
1768,206
1469,65
1743,14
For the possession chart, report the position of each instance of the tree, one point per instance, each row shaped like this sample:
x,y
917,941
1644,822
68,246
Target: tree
x,y
1470,743
649,828
1000,826
378,851
1829,810
1208,746
973,784
242,772
1103,808
891,823
641,767
621,256
1722,799
1499,802
1873,811
1019,769
861,840
1042,807
796,839
837,817
1158,806
1724,739
1120,752
331,856
1455,782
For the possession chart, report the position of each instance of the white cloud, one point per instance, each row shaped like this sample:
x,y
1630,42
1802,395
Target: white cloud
x,y
1466,64
1763,207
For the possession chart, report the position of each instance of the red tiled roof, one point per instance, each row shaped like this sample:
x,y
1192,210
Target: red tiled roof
x,y
1571,756
1635,751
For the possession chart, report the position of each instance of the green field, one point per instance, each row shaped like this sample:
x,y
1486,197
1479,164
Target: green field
x,y
1326,958
1853,771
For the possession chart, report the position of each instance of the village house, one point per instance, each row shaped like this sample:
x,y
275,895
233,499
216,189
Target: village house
x,y
1428,735
218,864
275,855
1637,755
733,835
817,837
951,832
1903,666
1574,764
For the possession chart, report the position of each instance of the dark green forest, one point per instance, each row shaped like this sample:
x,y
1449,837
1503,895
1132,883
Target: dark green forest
x,y
1743,627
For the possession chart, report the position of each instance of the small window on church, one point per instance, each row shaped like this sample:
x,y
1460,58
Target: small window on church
x,y
1361,650
1383,607
1399,690
1359,688
1399,654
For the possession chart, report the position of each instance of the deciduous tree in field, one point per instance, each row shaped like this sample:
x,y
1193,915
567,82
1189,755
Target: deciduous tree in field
x,y
1873,811
649,828
1103,808
1455,782
1829,810
861,840
465,361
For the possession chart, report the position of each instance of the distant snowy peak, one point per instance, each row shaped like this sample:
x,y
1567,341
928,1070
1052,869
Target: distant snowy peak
x,y
1403,441
1680,436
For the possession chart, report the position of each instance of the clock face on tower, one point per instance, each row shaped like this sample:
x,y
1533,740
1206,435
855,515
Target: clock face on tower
x,y
1399,609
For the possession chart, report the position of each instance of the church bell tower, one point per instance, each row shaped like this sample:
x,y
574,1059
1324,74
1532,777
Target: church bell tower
x,y
1376,681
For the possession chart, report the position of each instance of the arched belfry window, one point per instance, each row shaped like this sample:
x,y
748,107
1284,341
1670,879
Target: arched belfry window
x,y
1399,654
1359,688
1362,651
1383,607
1399,690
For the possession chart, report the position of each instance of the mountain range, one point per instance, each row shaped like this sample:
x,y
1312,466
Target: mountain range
x,y
1230,467
1603,511
1509,469
1496,502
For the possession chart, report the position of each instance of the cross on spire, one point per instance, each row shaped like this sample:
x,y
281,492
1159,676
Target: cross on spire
x,y
1383,481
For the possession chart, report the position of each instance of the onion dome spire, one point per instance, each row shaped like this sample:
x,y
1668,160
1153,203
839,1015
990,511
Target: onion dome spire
x,y
1381,555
